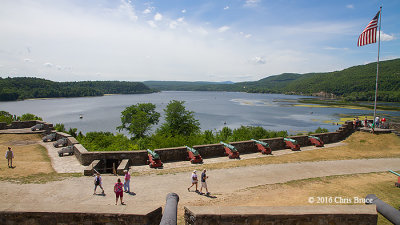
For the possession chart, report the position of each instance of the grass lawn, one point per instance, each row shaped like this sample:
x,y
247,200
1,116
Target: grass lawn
x,y
31,161
295,193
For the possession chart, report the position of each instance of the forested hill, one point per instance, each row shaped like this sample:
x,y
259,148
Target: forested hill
x,y
356,83
19,88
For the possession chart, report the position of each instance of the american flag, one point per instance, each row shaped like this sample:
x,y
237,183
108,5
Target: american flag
x,y
368,36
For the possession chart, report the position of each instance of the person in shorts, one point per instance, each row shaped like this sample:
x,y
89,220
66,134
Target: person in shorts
x,y
194,180
204,178
98,182
119,192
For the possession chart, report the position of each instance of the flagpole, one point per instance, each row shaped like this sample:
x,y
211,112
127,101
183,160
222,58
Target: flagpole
x,y
377,66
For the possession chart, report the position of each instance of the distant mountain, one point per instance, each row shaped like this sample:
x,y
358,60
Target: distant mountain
x,y
20,88
182,85
356,83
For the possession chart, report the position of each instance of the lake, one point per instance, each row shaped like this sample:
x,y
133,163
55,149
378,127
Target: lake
x,y
214,110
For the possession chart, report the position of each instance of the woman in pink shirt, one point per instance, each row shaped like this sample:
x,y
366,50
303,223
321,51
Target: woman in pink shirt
x,y
119,192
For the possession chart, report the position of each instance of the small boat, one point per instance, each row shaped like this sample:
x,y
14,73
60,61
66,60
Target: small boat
x,y
81,116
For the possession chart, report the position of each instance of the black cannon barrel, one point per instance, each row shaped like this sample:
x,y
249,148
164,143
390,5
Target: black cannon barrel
x,y
169,216
383,208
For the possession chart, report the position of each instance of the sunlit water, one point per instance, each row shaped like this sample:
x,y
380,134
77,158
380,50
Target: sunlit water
x,y
214,110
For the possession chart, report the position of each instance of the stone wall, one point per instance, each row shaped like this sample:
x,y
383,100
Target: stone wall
x,y
26,124
72,218
206,151
282,215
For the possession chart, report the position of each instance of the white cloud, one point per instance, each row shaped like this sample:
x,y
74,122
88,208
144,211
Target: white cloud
x,y
223,29
48,65
387,37
148,10
252,3
350,6
126,8
226,7
174,23
152,24
335,48
158,17
183,11
258,60
27,60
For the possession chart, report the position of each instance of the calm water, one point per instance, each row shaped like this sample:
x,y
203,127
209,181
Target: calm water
x,y
212,109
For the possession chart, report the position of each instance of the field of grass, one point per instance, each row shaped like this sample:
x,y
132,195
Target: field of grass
x,y
31,161
295,193
359,145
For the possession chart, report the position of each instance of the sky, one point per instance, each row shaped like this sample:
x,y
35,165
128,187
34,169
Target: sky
x,y
188,40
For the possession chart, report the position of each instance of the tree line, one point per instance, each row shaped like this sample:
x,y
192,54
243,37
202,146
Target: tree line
x,y
356,83
19,88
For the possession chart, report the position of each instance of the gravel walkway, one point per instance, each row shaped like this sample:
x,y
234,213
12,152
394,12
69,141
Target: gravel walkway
x,y
76,194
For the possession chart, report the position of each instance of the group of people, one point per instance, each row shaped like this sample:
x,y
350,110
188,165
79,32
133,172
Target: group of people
x,y
377,123
119,187
203,179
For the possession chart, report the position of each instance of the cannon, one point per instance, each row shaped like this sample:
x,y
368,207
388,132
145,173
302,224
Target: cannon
x,y
67,150
316,141
231,151
263,147
154,159
61,142
37,127
397,184
292,144
49,137
390,213
194,155
169,216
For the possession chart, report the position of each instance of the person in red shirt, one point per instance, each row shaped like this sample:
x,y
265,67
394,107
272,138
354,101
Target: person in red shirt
x,y
119,191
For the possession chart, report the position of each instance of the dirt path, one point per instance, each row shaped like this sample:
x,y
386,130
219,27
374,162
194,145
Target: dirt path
x,y
76,194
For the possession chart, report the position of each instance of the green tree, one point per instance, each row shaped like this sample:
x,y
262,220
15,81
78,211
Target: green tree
x,y
28,116
137,119
6,117
178,120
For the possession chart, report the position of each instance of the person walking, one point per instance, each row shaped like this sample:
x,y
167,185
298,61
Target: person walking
x,y
98,182
119,193
204,178
127,181
194,180
9,157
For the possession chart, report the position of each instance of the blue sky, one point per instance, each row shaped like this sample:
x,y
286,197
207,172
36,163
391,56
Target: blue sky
x,y
187,40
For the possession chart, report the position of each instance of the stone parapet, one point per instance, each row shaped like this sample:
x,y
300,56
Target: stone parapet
x,y
71,218
282,215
